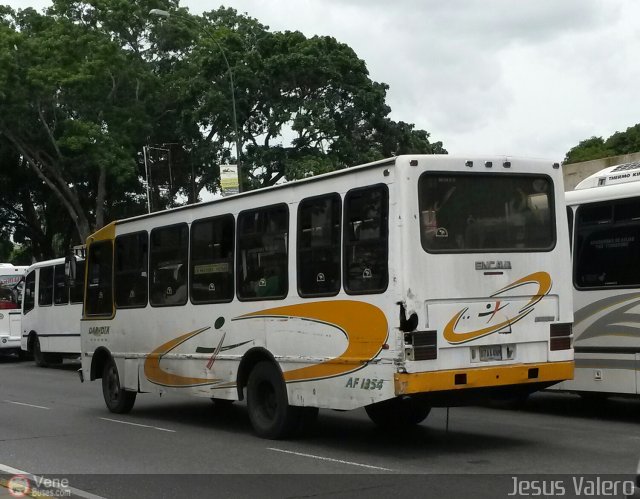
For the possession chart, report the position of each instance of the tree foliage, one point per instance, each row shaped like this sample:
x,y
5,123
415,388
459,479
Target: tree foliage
x,y
626,142
86,85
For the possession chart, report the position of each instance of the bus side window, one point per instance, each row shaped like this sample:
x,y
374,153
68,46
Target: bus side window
x,y
77,290
99,295
169,249
319,227
132,254
212,246
45,285
607,244
30,292
60,290
366,233
263,267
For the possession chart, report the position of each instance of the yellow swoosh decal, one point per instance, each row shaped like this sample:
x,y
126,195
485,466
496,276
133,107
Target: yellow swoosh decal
x,y
365,326
159,376
542,279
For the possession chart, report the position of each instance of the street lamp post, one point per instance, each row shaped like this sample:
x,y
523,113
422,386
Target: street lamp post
x,y
166,14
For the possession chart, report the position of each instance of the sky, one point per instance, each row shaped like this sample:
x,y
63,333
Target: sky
x,y
506,77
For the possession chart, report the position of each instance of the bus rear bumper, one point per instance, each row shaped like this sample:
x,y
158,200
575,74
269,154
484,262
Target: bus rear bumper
x,y
544,373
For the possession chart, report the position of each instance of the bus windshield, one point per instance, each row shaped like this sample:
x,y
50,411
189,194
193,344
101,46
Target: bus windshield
x,y
10,294
485,212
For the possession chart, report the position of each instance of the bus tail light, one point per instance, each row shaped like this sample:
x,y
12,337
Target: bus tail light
x,y
421,345
560,336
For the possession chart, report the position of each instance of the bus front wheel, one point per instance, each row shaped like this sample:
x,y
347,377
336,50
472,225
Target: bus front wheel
x,y
398,412
118,400
269,410
38,356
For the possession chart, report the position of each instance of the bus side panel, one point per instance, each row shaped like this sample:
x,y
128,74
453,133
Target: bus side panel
x,y
604,372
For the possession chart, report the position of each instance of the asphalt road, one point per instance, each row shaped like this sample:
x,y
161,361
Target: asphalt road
x,y
51,424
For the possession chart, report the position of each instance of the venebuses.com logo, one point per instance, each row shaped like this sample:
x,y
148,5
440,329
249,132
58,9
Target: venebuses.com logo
x,y
34,486
19,486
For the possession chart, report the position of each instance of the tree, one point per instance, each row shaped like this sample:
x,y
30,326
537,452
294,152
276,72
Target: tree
x,y
596,147
71,106
304,105
86,86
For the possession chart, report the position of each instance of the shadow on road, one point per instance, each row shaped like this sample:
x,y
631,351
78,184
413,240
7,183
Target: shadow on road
x,y
351,431
571,405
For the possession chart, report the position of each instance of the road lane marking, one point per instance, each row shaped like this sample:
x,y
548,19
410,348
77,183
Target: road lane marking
x,y
322,458
138,424
28,405
35,479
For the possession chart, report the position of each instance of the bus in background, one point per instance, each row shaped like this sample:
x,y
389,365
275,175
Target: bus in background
x,y
11,285
51,313
399,285
604,220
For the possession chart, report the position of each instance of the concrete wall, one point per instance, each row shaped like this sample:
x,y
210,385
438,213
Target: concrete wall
x,y
576,172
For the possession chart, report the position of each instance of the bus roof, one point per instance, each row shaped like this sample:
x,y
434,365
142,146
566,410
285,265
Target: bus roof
x,y
612,175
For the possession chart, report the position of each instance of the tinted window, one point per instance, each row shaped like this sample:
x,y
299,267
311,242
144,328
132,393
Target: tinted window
x,y
45,286
483,212
366,213
131,270
99,295
76,291
319,246
263,253
168,266
30,291
60,289
212,242
607,246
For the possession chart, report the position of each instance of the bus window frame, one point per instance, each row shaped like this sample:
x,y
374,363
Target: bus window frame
x,y
105,315
239,259
33,296
329,195
66,288
115,269
40,269
611,223
233,258
150,267
450,251
345,246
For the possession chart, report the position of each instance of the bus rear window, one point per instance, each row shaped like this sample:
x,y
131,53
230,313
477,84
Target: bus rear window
x,y
462,212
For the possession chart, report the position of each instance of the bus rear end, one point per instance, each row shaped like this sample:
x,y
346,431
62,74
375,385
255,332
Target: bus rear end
x,y
487,279
10,302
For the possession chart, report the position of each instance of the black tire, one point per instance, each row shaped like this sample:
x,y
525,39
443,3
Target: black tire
x,y
269,410
399,412
38,356
118,400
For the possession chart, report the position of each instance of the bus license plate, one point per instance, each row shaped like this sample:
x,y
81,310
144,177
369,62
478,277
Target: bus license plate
x,y
490,353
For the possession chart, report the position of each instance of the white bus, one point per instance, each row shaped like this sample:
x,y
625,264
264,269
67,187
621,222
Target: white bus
x,y
51,313
11,284
604,216
395,286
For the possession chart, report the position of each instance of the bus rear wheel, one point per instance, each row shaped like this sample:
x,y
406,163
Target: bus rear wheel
x,y
398,412
269,410
118,400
